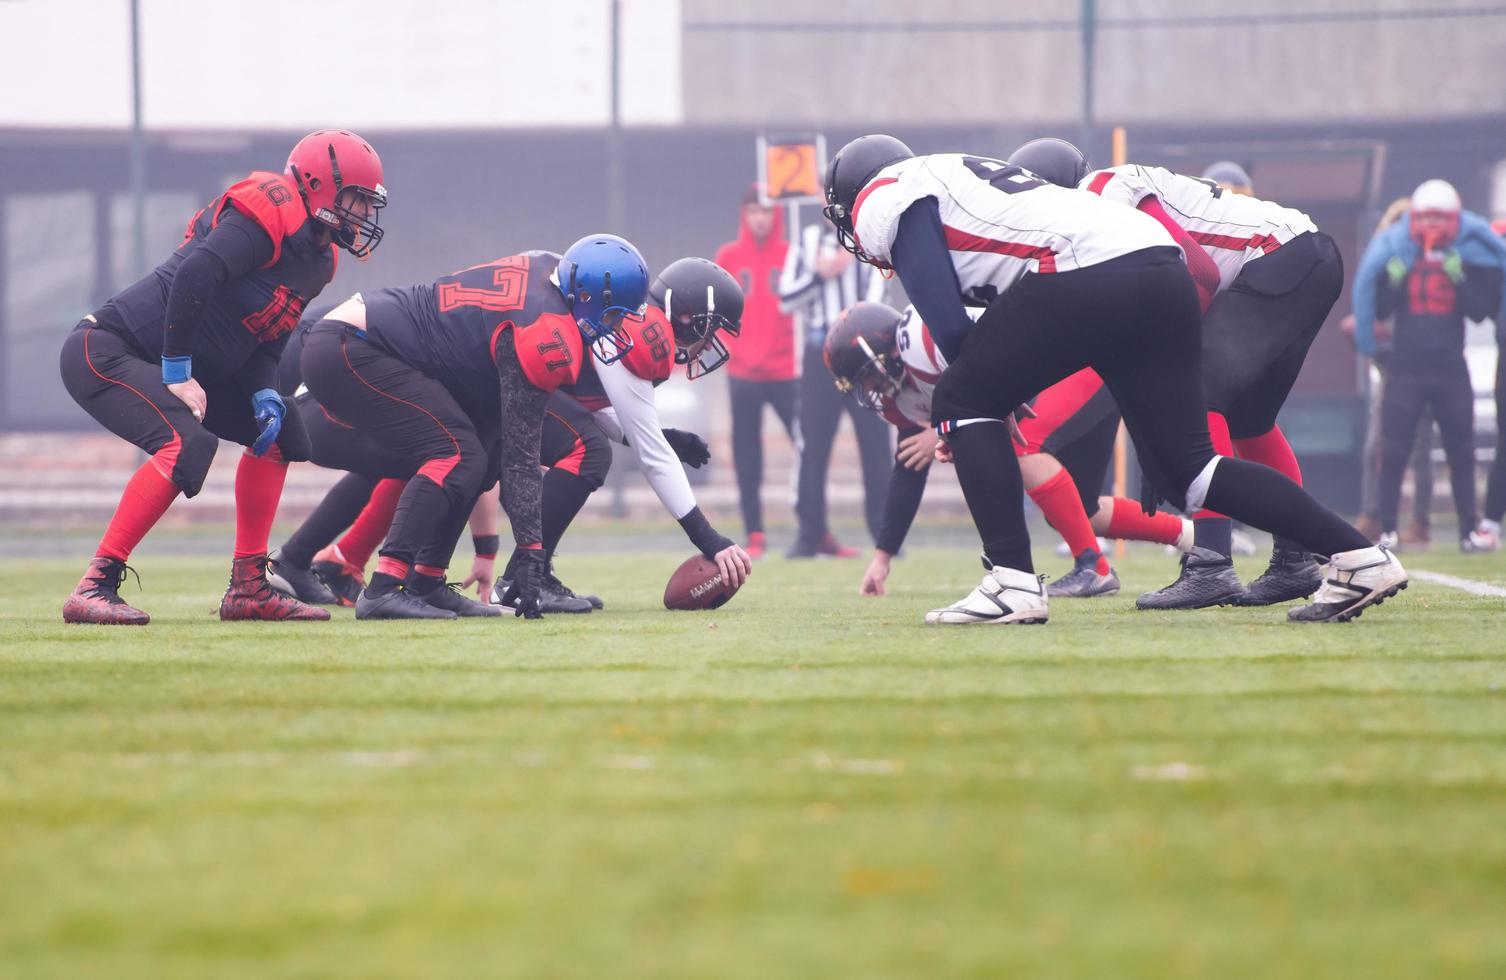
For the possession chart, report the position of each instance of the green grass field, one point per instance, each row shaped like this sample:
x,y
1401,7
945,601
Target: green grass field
x,y
803,784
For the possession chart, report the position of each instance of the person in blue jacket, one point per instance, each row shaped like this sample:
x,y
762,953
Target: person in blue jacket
x,y
1431,272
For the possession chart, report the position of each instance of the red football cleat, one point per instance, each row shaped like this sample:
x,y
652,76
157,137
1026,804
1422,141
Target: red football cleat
x,y
756,546
250,597
833,548
96,598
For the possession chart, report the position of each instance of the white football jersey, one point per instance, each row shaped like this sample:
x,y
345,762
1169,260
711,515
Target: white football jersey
x,y
923,363
1232,228
1001,222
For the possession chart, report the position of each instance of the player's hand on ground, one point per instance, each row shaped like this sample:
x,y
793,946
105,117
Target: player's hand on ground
x,y
916,451
735,565
529,568
189,393
877,575
943,452
689,447
480,577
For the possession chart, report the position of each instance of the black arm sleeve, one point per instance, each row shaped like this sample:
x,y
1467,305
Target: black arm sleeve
x,y
260,370
521,431
924,265
702,534
236,246
906,487
1479,294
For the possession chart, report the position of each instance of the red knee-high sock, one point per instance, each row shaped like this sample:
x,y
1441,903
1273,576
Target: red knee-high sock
x,y
146,498
1218,428
1274,451
1058,500
258,488
372,524
1130,521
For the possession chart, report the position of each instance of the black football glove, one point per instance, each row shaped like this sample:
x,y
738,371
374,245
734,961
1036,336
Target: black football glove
x,y
691,448
529,567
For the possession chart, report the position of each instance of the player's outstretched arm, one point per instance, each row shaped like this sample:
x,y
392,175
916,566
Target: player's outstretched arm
x,y
485,541
924,265
907,485
522,482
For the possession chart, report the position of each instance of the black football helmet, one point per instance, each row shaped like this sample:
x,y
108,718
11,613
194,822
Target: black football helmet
x,y
862,354
847,175
699,298
1053,160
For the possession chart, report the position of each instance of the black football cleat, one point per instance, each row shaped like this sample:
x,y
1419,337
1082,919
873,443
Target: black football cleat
x,y
397,604
1290,575
300,583
1083,581
552,582
448,596
550,600
1207,579
344,580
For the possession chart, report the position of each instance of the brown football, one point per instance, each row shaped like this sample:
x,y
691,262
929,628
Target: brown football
x,y
697,584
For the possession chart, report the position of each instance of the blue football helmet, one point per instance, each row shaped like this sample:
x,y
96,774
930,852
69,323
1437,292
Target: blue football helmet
x,y
604,280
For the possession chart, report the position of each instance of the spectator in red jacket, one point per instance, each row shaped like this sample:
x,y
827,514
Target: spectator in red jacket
x,y
762,369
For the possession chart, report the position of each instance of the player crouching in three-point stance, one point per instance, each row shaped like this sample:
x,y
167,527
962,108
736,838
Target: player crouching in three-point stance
x,y
690,302
188,356
437,373
1267,278
887,362
1069,281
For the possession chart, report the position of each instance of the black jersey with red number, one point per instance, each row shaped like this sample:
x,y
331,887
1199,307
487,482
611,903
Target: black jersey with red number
x,y
652,358
251,310
450,328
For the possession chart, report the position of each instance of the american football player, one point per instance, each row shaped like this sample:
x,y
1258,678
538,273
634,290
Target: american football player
x,y
188,356
1068,281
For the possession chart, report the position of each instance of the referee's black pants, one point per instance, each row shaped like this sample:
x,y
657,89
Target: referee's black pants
x,y
821,409
1446,390
1135,319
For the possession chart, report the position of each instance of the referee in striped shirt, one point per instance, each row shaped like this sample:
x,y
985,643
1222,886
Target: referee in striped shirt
x,y
820,279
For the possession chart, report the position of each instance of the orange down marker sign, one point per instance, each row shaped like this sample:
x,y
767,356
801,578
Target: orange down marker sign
x,y
792,170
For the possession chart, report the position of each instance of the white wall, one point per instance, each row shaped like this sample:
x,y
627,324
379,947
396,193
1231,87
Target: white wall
x,y
376,64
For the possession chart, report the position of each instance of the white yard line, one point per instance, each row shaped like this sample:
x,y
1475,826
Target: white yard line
x,y
1465,584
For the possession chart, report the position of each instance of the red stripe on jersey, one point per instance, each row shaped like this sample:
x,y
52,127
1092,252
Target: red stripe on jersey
x,y
928,345
1265,243
863,196
962,241
1100,182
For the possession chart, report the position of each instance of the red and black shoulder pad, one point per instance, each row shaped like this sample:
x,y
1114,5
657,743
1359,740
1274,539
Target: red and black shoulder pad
x,y
272,201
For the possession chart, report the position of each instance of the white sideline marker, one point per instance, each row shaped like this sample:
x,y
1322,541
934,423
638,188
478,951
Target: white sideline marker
x,y
1463,584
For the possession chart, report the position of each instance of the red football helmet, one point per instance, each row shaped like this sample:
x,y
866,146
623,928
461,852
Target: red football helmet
x,y
340,178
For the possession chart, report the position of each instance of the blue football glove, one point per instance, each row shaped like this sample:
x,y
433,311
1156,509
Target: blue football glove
x,y
268,408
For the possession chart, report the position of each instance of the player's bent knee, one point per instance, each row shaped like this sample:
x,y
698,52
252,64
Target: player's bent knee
x,y
597,462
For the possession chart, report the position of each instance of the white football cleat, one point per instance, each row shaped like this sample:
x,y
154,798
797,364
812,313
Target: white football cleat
x,y
1007,595
1483,539
1353,580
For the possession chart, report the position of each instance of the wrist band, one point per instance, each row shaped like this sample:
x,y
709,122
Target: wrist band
x,y
486,545
176,370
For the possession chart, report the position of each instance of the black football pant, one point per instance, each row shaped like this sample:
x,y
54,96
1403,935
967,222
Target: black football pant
x,y
338,445
748,400
1135,319
1257,332
114,382
821,409
1409,390
418,422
